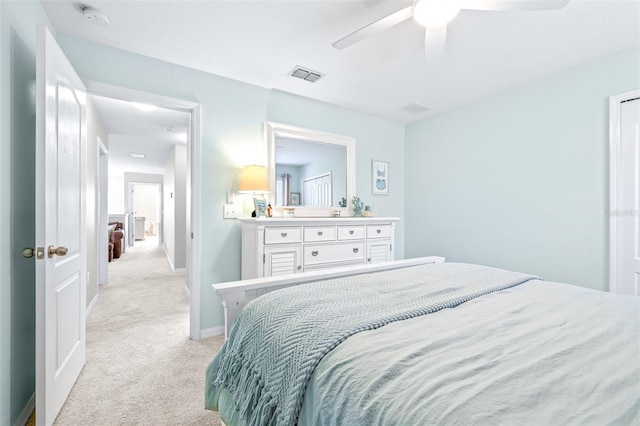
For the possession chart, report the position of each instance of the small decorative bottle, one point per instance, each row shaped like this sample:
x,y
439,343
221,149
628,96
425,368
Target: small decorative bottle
x,y
269,210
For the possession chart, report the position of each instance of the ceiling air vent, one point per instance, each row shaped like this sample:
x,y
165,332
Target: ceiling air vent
x,y
416,108
306,74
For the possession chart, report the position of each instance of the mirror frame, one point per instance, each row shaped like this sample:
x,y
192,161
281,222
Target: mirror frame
x,y
273,130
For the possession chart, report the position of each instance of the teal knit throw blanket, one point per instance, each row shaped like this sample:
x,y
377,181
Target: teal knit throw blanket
x,y
278,339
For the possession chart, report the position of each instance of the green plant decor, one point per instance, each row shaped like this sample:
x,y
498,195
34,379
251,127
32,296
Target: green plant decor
x,y
358,206
343,202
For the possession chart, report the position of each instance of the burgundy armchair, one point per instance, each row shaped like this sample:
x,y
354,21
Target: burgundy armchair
x,y
116,237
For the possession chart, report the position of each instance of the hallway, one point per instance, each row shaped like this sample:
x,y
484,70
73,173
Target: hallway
x,y
141,366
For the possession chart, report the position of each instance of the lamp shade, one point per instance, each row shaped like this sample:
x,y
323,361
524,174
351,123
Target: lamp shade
x,y
254,179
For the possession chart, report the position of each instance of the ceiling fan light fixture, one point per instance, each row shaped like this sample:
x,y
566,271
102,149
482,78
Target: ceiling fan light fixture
x,y
435,13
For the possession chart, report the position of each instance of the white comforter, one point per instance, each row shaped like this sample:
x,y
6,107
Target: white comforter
x,y
540,353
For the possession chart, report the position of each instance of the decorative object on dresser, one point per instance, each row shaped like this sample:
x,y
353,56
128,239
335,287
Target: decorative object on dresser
x,y
281,246
379,177
260,205
358,206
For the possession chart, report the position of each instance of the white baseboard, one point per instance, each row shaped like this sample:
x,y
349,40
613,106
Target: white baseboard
x,y
92,304
173,268
23,418
211,332
187,292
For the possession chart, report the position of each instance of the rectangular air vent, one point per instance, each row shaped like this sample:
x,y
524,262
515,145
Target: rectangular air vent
x,y
306,74
416,108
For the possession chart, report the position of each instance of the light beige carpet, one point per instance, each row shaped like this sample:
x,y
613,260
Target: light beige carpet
x,y
142,368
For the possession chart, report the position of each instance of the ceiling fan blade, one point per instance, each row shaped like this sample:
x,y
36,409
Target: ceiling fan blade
x,y
435,43
376,27
514,4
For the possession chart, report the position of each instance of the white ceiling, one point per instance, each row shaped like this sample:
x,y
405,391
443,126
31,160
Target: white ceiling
x,y
152,133
260,42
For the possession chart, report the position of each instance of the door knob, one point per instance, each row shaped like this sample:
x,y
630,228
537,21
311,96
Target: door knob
x,y
60,251
29,252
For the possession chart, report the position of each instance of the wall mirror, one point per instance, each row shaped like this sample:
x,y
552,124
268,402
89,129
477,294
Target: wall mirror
x,y
309,170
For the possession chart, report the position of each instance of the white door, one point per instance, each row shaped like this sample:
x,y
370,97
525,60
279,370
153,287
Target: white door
x,y
628,215
60,224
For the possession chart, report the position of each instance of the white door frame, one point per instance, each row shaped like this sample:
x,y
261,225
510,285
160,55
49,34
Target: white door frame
x,y
193,182
102,187
615,179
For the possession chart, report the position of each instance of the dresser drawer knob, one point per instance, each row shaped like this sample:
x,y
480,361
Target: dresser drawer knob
x,y
378,230
314,253
320,233
355,250
369,260
283,234
299,268
351,232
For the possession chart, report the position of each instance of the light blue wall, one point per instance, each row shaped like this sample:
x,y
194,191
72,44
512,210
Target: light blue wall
x,y
520,180
17,188
233,115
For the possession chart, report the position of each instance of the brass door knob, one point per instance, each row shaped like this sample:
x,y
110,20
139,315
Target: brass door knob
x,y
60,251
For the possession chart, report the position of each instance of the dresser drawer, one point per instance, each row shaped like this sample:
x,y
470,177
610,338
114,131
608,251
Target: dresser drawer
x,y
327,253
319,233
280,235
350,232
378,231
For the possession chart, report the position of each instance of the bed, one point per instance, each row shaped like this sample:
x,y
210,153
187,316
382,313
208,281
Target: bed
x,y
425,342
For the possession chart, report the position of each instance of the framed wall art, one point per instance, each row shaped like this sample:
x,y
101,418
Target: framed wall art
x,y
379,177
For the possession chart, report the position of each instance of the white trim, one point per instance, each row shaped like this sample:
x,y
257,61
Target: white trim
x,y
236,294
93,303
273,130
23,418
194,225
194,183
173,268
211,332
187,292
614,177
102,188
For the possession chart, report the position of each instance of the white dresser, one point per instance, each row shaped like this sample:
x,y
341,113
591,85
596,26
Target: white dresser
x,y
281,246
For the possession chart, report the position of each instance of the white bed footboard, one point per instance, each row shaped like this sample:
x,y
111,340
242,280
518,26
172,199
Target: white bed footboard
x,y
236,294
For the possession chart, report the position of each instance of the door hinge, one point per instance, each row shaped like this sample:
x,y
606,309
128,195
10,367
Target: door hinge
x,y
390,247
192,235
264,258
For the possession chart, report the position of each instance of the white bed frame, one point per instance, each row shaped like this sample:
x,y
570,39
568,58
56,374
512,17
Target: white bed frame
x,y
236,294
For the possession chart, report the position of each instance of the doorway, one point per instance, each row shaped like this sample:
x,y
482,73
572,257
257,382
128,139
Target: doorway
x,y
145,204
625,193
191,170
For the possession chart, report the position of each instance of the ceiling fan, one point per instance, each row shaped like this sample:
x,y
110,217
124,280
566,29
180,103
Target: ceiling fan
x,y
434,15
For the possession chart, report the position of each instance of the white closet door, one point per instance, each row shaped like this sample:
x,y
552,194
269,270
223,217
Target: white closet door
x,y
317,191
628,213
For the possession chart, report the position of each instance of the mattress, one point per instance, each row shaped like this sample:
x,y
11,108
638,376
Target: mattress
x,y
534,353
